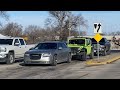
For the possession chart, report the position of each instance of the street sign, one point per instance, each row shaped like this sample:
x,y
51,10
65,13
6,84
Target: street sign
x,y
97,37
97,28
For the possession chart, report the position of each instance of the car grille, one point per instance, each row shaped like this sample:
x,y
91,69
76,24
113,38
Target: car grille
x,y
35,56
95,46
74,50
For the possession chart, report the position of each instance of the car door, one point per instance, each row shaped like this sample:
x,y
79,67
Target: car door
x,y
107,44
17,48
60,53
22,47
65,52
88,46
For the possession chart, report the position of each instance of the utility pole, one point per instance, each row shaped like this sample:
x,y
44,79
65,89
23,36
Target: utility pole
x,y
79,29
69,28
69,25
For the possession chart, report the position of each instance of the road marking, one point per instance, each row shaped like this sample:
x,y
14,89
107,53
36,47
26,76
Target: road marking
x,y
84,75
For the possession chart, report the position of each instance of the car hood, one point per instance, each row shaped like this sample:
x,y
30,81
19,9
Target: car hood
x,y
95,45
40,51
75,46
4,45
101,43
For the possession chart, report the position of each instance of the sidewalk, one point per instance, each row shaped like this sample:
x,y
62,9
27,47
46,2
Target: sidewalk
x,y
103,60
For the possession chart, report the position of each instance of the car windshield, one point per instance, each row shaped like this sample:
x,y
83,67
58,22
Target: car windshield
x,y
101,41
46,46
6,41
77,41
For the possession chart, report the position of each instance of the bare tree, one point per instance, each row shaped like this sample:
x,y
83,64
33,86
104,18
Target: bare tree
x,y
65,21
4,14
12,29
73,22
59,19
34,33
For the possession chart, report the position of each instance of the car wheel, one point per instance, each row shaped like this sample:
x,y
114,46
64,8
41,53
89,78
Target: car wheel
x,y
10,59
24,63
109,52
69,58
84,56
92,54
54,62
104,53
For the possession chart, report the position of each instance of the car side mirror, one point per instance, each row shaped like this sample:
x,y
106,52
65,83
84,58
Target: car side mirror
x,y
60,48
17,44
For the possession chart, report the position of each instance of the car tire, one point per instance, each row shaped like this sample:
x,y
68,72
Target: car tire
x,y
95,54
24,63
84,56
104,53
54,62
109,52
11,58
69,58
92,54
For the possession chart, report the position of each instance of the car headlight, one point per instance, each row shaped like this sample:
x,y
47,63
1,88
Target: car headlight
x,y
102,46
46,54
27,55
79,49
3,49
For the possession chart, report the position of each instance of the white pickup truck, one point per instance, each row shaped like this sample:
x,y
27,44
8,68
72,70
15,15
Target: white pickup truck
x,y
12,48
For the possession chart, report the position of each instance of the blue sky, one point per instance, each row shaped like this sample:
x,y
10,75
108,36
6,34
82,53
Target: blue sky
x,y
110,20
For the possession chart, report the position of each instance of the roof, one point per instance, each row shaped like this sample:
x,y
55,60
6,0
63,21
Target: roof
x,y
80,38
8,37
2,36
11,38
53,42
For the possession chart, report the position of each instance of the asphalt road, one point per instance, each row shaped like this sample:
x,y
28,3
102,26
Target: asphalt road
x,y
108,71
74,70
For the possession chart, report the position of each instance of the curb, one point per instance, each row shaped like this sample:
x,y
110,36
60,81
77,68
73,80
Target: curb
x,y
93,63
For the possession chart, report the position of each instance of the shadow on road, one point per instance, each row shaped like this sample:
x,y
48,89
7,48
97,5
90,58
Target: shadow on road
x,y
22,64
20,60
16,61
2,63
44,65
115,51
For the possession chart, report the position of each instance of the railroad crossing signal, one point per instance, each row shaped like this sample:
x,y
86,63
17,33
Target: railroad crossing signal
x,y
97,28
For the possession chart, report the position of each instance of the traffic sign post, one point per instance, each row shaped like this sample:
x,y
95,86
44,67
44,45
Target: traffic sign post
x,y
98,49
97,37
